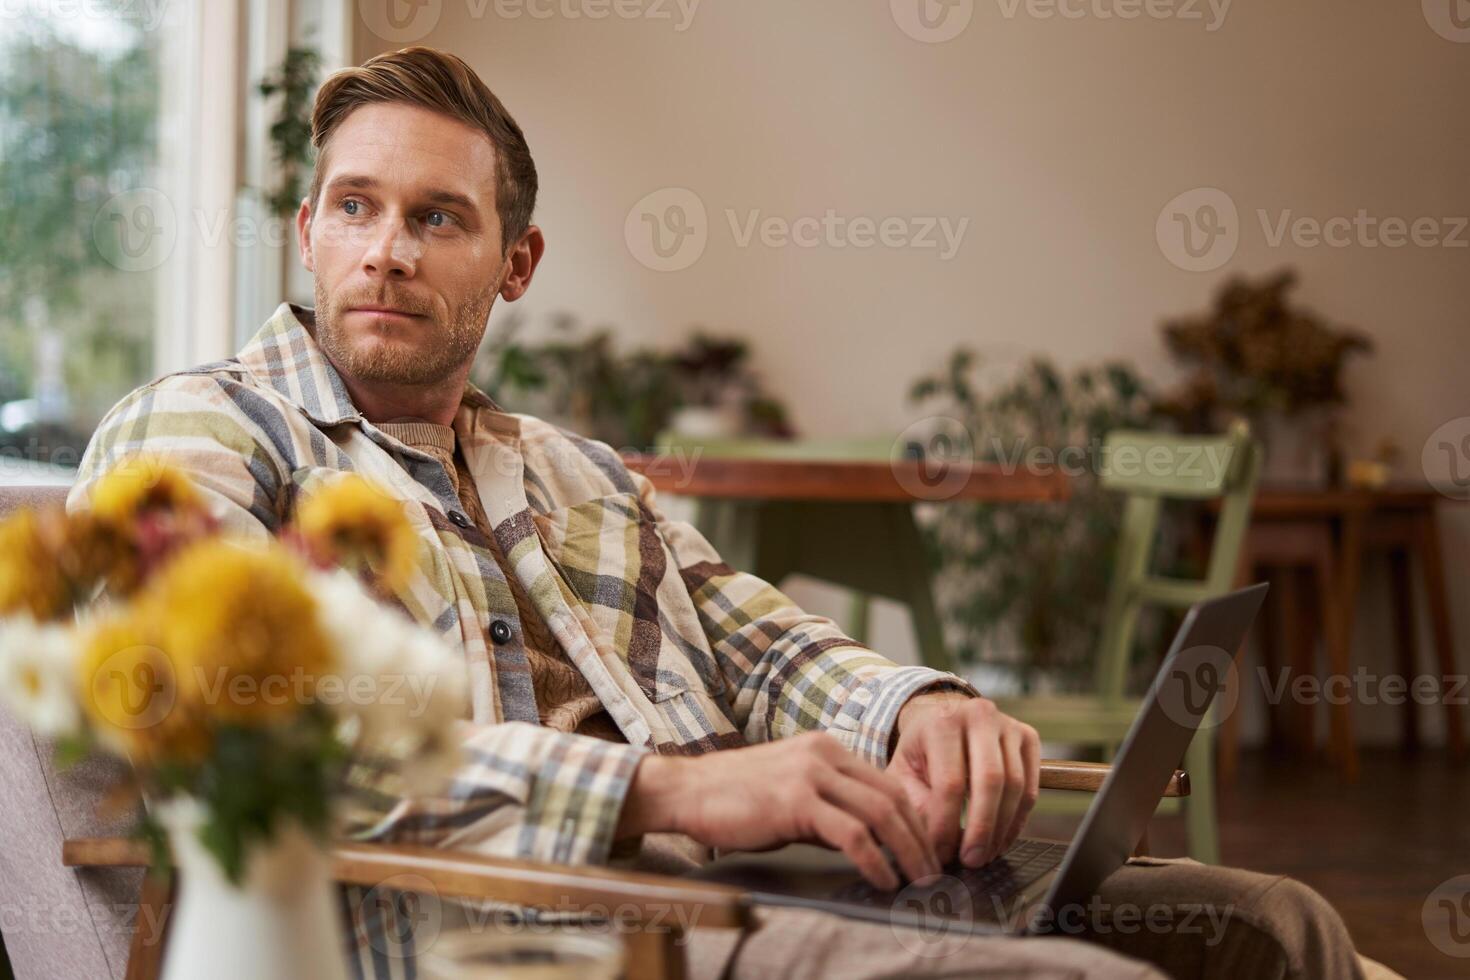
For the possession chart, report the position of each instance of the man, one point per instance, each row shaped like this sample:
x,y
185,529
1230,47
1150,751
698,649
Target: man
x,y
625,681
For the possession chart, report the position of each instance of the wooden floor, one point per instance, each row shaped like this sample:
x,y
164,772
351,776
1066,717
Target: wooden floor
x,y
1376,849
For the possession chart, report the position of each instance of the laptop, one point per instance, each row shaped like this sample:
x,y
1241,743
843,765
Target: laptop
x,y
1032,888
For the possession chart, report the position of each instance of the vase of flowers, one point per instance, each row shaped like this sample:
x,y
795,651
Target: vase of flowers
x,y
278,920
240,680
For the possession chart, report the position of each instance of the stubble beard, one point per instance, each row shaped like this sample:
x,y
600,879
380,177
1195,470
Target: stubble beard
x,y
455,342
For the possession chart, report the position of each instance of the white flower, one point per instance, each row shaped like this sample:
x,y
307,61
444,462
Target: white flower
x,y
37,675
404,689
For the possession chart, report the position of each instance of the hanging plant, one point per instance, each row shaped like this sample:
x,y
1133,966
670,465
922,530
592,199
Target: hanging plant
x,y
290,133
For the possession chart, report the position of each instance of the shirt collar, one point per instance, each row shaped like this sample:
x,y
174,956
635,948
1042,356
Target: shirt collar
x,y
283,355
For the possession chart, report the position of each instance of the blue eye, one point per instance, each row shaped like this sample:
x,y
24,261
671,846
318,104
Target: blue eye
x,y
350,204
439,214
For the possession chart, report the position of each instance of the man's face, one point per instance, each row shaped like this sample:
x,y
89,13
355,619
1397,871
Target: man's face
x,y
404,240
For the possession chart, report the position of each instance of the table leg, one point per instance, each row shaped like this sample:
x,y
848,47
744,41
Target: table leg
x,y
1439,619
1270,635
1338,618
859,615
911,563
733,528
1298,645
1406,639
1228,743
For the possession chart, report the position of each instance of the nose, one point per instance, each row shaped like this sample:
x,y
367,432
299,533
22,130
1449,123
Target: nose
x,y
393,252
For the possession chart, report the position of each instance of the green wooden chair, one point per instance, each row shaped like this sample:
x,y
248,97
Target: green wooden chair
x,y
1151,469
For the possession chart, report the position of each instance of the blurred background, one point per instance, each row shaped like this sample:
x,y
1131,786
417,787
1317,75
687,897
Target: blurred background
x,y
828,224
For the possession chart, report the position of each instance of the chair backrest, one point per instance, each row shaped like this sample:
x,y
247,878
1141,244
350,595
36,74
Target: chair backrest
x,y
71,922
1150,468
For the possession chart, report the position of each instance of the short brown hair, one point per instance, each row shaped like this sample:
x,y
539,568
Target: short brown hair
x,y
441,82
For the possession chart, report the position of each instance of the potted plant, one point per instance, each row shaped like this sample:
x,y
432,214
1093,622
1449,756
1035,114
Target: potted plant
x,y
1022,587
712,385
239,680
1257,356
578,379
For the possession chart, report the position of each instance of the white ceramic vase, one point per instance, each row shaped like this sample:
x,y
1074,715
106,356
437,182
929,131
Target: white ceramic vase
x,y
280,921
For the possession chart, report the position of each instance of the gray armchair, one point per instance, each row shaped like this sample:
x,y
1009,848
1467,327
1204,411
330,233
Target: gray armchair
x,y
61,922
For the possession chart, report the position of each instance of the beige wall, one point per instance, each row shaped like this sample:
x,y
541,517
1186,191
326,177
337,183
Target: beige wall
x,y
1059,141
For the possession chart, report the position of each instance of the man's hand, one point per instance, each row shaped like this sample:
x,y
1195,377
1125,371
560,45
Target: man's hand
x,y
808,789
954,749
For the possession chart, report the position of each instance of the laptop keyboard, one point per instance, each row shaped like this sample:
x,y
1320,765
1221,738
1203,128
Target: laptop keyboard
x,y
1026,861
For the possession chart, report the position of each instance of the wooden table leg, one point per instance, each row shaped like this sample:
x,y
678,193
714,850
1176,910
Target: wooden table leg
x,y
1270,635
1228,742
1406,638
1339,613
1298,644
910,562
150,927
1439,620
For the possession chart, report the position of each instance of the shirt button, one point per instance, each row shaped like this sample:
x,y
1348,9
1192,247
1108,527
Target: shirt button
x,y
458,519
500,632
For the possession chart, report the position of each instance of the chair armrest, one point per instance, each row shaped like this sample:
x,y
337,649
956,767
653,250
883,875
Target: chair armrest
x,y
459,874
1088,777
639,898
656,898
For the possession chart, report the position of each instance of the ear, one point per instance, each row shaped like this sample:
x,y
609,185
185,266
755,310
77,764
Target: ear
x,y
303,234
521,262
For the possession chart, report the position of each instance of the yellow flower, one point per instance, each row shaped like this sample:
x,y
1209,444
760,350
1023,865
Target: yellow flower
x,y
31,578
242,628
131,692
354,522
94,550
140,483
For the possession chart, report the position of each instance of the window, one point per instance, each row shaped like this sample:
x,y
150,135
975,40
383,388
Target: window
x,y
80,224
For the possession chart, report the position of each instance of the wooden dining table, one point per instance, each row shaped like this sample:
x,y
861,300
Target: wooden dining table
x,y
1312,543
848,522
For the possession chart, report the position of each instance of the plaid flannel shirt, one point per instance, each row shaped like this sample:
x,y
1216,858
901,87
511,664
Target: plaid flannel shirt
x,y
687,654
